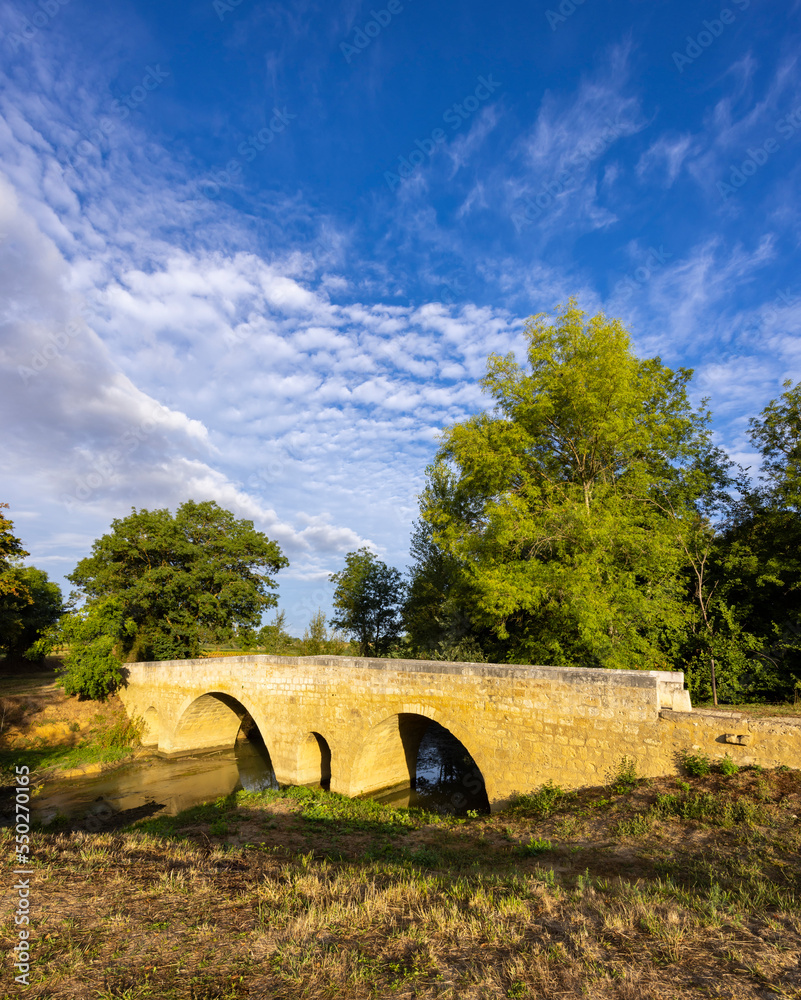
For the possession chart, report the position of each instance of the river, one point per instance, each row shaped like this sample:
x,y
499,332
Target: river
x,y
448,782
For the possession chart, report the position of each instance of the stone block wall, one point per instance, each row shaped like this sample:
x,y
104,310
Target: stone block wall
x,y
523,725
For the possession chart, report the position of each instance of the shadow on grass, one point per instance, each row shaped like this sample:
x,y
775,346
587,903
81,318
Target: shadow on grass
x,y
42,758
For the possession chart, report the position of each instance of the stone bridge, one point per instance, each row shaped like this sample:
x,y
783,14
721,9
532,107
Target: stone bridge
x,y
360,721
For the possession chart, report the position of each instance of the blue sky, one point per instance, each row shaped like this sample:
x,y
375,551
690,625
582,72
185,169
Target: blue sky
x,y
259,252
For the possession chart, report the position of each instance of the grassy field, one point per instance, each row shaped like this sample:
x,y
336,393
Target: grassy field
x,y
673,887
643,889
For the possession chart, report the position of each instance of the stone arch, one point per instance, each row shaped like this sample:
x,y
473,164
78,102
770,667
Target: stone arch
x,y
387,758
209,722
314,761
151,734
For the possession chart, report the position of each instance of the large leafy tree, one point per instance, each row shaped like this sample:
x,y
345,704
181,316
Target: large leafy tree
x,y
173,583
369,597
565,507
30,632
761,551
436,612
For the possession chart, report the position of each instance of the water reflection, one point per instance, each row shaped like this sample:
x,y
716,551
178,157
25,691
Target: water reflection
x,y
173,783
448,782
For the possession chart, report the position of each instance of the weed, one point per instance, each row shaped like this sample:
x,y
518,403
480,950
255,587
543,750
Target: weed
x,y
696,764
624,777
727,767
637,826
542,803
535,846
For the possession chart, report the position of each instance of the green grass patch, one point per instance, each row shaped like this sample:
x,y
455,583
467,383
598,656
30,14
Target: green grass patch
x,y
535,847
542,803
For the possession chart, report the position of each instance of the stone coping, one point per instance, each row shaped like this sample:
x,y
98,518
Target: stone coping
x,y
570,675
700,714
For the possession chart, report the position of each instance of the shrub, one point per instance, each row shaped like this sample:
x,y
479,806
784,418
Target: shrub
x,y
727,767
624,777
542,802
696,764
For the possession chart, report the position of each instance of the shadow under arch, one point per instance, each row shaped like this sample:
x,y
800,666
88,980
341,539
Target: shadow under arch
x,y
314,761
388,761
211,722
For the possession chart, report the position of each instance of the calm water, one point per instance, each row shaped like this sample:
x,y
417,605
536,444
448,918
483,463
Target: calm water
x,y
447,782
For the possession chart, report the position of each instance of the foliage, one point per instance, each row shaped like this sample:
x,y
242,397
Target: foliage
x,y
553,509
536,846
28,619
727,767
30,605
95,634
696,764
369,596
624,777
436,613
200,576
318,641
760,554
274,638
541,803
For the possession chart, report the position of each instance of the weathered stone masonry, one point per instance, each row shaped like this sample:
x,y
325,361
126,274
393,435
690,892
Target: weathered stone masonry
x,y
523,725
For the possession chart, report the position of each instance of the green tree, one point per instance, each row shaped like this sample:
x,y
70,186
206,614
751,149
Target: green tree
x,y
11,552
369,596
96,635
317,641
436,615
30,632
554,506
30,605
196,577
761,550
274,638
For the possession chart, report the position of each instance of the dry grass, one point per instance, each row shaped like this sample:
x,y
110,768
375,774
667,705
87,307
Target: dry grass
x,y
41,727
302,894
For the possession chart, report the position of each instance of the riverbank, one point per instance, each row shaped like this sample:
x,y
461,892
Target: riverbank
x,y
53,734
640,890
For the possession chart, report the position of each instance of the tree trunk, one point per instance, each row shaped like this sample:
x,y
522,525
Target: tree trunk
x,y
714,684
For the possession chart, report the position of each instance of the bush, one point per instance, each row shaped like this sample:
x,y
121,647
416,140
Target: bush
x,y
125,733
727,767
93,667
541,803
624,777
696,764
